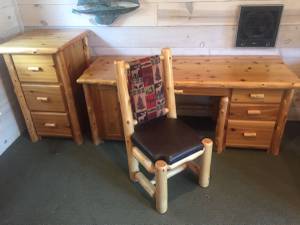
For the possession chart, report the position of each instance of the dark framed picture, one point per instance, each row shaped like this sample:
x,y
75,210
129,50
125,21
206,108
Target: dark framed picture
x,y
258,25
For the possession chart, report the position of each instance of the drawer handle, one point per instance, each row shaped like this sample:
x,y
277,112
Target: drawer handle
x,y
257,96
34,68
42,99
178,91
50,125
249,134
254,112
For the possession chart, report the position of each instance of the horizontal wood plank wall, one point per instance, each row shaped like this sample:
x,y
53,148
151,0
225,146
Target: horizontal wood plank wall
x,y
189,27
10,20
10,116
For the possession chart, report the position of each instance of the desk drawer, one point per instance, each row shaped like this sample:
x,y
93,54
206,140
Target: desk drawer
x,y
252,134
256,96
44,97
37,68
52,124
202,91
266,112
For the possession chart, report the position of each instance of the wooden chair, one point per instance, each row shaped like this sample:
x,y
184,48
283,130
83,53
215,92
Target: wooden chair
x,y
164,146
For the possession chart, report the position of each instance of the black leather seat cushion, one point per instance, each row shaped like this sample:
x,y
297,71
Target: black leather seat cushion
x,y
166,139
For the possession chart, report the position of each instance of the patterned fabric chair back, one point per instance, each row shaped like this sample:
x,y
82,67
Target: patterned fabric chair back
x,y
145,86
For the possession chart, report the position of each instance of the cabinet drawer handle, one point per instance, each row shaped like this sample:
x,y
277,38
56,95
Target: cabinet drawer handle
x,y
50,125
254,112
249,134
178,91
34,68
42,99
257,96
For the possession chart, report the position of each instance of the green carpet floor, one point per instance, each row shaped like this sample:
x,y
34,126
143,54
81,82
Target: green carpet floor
x,y
55,181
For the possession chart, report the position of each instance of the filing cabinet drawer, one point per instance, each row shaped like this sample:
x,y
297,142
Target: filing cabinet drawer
x,y
52,124
244,111
44,97
252,134
35,68
28,59
256,96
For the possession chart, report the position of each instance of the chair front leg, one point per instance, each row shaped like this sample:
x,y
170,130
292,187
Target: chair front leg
x,y
205,163
161,191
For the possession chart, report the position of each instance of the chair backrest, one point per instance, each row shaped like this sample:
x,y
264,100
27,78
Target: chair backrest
x,y
145,86
141,81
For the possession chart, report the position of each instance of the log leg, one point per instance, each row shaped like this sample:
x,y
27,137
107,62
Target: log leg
x,y
281,121
133,167
161,193
133,164
69,97
220,128
21,98
127,117
205,163
92,115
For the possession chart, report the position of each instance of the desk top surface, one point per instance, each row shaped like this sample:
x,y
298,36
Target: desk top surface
x,y
208,72
42,41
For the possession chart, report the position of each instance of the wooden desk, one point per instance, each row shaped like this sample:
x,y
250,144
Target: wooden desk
x,y
255,95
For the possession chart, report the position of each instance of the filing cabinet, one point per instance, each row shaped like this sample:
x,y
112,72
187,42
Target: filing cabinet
x,y
44,66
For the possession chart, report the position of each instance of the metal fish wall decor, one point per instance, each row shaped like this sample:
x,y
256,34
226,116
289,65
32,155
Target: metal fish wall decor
x,y
105,11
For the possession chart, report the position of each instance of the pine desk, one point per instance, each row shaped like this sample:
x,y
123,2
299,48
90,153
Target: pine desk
x,y
255,96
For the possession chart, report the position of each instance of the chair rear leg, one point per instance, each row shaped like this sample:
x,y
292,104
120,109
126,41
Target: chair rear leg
x,y
161,193
205,163
133,166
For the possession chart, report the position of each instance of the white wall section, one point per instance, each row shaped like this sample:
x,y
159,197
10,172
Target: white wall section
x,y
10,117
